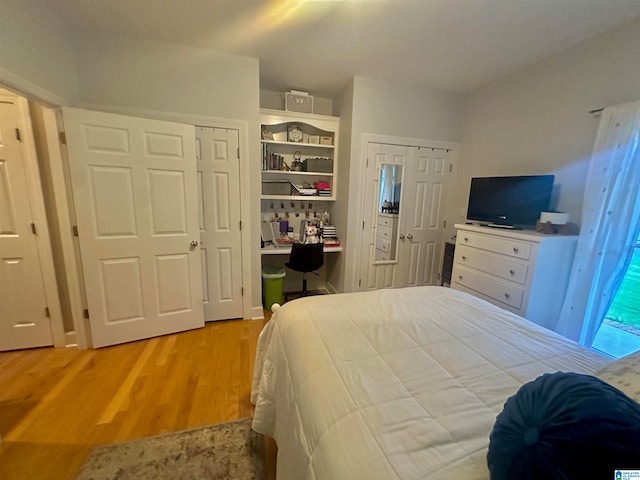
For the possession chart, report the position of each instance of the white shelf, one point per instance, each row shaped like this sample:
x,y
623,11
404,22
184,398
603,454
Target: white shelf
x,y
295,173
310,198
298,144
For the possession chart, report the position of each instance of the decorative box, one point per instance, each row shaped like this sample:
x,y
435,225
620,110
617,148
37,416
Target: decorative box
x,y
278,187
298,102
322,165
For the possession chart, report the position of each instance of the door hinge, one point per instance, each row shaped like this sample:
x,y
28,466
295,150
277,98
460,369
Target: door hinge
x,y
86,313
359,282
363,224
74,229
46,312
238,153
445,224
33,228
366,165
450,167
63,138
242,291
18,135
240,222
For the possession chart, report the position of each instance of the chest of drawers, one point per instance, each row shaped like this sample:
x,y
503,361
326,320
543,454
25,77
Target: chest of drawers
x,y
386,232
523,271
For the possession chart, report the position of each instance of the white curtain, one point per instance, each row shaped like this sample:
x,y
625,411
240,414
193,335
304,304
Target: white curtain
x,y
610,223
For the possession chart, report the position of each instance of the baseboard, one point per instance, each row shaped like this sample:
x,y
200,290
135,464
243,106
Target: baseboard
x,y
256,313
331,288
70,339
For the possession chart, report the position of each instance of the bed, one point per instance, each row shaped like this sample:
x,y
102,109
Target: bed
x,y
396,384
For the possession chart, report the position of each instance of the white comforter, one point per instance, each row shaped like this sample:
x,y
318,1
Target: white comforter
x,y
396,384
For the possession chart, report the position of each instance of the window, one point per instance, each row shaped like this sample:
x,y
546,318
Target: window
x,y
619,334
625,308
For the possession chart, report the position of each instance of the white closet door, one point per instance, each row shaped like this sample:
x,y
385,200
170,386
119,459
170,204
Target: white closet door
x,y
220,234
135,195
23,319
422,223
377,275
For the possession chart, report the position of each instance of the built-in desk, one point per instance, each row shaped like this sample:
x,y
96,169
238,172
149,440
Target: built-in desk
x,y
276,257
270,250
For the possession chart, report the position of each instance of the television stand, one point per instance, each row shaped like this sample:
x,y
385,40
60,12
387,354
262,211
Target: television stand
x,y
498,225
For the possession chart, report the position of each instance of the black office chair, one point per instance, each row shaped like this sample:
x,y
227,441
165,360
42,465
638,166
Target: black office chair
x,y
305,258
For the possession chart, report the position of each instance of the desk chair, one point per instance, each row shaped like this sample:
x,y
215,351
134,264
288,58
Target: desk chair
x,y
305,258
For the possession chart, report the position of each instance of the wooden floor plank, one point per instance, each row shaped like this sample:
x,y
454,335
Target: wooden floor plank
x,y
57,404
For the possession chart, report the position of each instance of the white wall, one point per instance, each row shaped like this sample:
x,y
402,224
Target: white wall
x,y
36,53
379,107
275,101
129,76
537,120
163,77
340,211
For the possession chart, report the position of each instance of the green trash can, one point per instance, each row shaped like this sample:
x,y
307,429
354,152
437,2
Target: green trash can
x,y
272,281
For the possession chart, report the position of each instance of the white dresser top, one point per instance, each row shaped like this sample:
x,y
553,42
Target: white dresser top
x,y
528,235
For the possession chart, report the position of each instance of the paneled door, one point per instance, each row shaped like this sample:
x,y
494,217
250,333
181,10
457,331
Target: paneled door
x,y
220,230
135,195
23,318
412,229
375,274
421,228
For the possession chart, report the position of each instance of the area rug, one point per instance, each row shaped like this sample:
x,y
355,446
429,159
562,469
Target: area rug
x,y
224,451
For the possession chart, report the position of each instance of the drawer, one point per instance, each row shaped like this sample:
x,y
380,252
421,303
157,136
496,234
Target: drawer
x,y
385,221
381,256
503,246
383,245
502,292
501,267
384,232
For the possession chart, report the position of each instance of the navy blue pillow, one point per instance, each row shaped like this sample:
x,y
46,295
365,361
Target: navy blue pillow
x,y
565,426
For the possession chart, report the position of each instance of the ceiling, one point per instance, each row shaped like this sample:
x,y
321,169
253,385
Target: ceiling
x,y
319,45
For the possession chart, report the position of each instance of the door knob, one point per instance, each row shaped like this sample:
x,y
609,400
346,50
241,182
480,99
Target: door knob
x,y
409,236
193,245
402,236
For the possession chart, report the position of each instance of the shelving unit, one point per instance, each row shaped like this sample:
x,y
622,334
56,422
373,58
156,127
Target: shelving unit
x,y
277,150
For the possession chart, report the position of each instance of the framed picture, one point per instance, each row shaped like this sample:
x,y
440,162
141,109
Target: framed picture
x,y
266,134
294,132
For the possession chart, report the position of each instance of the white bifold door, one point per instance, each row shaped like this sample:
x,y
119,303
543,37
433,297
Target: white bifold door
x,y
135,192
217,153
23,303
402,242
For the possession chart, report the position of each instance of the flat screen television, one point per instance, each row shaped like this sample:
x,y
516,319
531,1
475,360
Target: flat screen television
x,y
509,201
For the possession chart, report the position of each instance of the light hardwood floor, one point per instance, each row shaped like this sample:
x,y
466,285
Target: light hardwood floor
x,y
56,404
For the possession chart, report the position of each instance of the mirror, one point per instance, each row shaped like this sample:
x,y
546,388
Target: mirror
x,y
390,184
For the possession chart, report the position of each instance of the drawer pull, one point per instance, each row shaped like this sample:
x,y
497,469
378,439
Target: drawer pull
x,y
506,295
464,257
515,249
512,272
466,239
459,277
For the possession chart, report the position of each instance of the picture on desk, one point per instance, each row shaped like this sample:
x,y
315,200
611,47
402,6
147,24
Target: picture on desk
x,y
271,235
